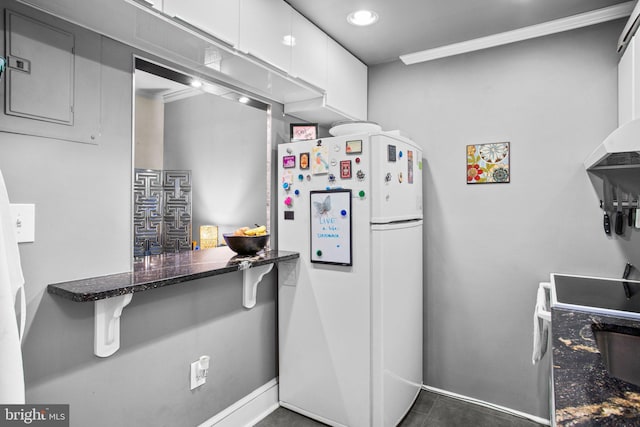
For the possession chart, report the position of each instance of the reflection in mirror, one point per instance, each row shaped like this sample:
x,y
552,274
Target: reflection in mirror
x,y
200,161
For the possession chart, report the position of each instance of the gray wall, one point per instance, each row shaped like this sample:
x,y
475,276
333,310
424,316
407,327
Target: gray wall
x,y
488,246
83,229
149,132
224,144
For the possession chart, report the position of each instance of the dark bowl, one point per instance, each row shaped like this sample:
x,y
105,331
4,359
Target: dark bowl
x,y
246,245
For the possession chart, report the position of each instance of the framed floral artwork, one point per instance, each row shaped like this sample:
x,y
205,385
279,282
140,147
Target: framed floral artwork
x,y
488,163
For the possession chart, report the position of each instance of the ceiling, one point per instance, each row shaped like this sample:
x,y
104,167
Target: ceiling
x,y
408,26
165,87
152,86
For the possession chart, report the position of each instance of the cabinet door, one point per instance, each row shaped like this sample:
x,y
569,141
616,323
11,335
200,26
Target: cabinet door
x,y
626,84
635,78
265,31
346,82
220,18
309,51
156,4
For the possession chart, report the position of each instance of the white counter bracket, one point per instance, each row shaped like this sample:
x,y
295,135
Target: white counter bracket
x,y
251,277
108,311
106,338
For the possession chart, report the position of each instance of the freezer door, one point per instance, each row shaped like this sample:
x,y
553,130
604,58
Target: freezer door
x,y
396,179
396,320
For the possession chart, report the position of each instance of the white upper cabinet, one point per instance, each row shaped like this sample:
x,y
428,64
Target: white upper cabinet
x,y
625,85
220,18
308,51
629,83
265,31
315,77
156,4
346,82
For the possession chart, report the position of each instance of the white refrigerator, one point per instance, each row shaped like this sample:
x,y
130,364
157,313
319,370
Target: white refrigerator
x,y
350,309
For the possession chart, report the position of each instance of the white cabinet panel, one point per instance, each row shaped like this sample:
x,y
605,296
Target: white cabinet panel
x,y
346,82
626,84
629,83
265,27
309,51
156,4
220,18
635,77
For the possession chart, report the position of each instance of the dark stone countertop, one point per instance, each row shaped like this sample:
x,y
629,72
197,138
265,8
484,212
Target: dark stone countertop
x,y
163,270
585,393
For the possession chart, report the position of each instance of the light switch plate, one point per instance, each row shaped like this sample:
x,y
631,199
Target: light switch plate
x,y
24,218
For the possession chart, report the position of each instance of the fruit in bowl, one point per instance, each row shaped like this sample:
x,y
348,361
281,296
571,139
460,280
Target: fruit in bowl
x,y
247,241
259,230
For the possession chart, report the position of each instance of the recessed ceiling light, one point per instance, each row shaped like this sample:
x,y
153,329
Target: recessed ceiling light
x,y
289,40
362,18
196,83
243,100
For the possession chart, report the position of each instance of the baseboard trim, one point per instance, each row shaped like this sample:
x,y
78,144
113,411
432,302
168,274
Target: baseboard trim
x,y
249,410
479,402
255,406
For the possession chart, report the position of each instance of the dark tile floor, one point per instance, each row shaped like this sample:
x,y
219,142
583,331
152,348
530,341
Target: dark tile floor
x,y
429,410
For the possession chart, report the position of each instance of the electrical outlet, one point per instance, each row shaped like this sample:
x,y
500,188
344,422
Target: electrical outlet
x,y
196,380
199,371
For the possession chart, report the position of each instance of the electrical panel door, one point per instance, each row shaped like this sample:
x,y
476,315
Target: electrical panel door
x,y
40,70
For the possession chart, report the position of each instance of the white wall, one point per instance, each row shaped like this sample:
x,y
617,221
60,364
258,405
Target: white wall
x,y
488,246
